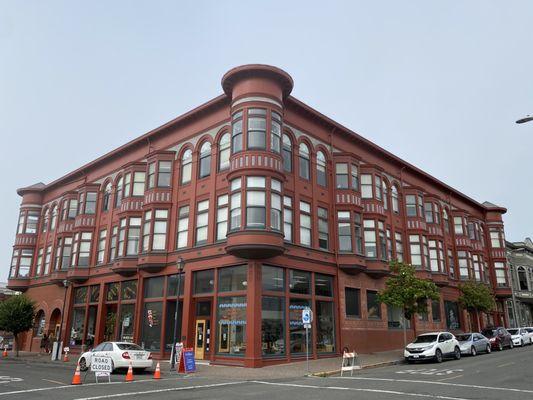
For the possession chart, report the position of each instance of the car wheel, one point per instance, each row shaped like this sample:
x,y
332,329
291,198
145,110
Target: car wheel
x,y
500,346
438,355
473,351
489,349
457,353
83,364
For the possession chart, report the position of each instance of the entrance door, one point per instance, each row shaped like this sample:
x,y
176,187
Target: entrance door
x,y
199,342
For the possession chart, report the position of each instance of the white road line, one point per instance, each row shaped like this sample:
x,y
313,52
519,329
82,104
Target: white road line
x,y
395,392
77,386
450,378
109,396
435,383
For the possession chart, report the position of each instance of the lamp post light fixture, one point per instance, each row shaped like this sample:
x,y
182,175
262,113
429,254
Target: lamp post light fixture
x,y
58,349
527,118
180,264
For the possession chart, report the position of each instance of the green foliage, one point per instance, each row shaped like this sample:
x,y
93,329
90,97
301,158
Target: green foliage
x,y
406,291
476,296
17,315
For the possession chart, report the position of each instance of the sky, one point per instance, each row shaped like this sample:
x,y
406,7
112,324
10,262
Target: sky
x,y
438,83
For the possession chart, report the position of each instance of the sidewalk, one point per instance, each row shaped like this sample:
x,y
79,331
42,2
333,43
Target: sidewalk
x,y
322,367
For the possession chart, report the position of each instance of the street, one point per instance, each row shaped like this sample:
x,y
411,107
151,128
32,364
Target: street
x,y
500,375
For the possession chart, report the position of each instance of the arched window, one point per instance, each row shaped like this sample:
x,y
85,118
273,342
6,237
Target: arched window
x,y
106,197
321,169
53,219
186,166
205,160
385,196
394,196
522,279
224,152
118,192
46,220
287,153
304,161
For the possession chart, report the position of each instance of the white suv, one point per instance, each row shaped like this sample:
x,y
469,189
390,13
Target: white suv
x,y
435,346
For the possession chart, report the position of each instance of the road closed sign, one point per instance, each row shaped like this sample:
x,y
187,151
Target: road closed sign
x,y
101,364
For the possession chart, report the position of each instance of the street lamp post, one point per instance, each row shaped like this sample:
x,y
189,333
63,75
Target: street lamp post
x,y
58,349
180,265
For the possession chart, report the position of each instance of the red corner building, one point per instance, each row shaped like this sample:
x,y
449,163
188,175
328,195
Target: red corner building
x,y
267,207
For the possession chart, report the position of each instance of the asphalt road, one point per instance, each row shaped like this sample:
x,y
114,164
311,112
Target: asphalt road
x,y
500,375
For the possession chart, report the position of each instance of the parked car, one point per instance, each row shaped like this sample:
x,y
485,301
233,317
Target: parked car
x,y
519,336
433,346
529,330
498,337
473,343
121,353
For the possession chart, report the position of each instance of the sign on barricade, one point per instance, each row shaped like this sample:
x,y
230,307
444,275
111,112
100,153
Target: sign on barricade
x,y
102,367
350,362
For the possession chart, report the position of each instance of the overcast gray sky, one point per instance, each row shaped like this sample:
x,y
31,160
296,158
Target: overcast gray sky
x,y
438,83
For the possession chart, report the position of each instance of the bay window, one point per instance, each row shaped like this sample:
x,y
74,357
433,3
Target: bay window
x,y
501,276
464,264
256,129
416,250
358,233
138,183
134,234
369,226
344,231
275,210
355,177
255,202
341,175
366,186
496,239
275,132
81,250
236,132
458,225
382,241
410,205
287,218
113,243
378,182
47,260
159,240
399,246
100,256
151,175
164,173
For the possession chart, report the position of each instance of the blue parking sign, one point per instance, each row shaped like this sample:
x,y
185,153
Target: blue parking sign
x,y
307,316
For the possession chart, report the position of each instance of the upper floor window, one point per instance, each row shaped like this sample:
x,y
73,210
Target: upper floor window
x,y
186,167
222,217
224,152
236,132
164,173
446,221
235,204
155,228
275,132
304,161
53,219
366,186
458,225
255,202
202,221
378,183
410,205
183,227
305,223
385,196
81,250
256,129
371,250
32,220
431,213
394,198
275,204
344,231
118,192
342,175
90,203
151,175
501,276
205,160
287,218
106,197
138,183
323,228
321,169
287,153
496,238
46,220
129,236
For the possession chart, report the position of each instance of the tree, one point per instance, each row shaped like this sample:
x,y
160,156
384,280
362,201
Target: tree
x,y
17,315
406,291
476,297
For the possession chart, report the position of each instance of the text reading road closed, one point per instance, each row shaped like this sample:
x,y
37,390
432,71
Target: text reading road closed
x,y
101,364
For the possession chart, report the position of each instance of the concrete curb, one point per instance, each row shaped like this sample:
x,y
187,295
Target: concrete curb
x,y
325,374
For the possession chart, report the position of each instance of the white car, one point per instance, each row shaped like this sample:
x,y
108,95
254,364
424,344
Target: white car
x,y
519,336
121,353
529,330
433,346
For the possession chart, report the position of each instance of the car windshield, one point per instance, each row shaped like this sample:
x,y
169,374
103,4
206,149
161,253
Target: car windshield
x,y
426,339
128,346
529,330
489,333
463,338
513,331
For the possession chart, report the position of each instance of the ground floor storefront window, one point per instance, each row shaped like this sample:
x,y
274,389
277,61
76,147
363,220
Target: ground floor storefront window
x,y
453,322
82,330
231,318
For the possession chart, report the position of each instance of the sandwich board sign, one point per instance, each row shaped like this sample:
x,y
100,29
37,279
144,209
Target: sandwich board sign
x,y
102,367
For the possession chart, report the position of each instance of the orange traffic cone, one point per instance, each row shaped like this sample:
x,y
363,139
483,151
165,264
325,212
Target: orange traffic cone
x,y
76,379
129,375
157,373
65,358
4,354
